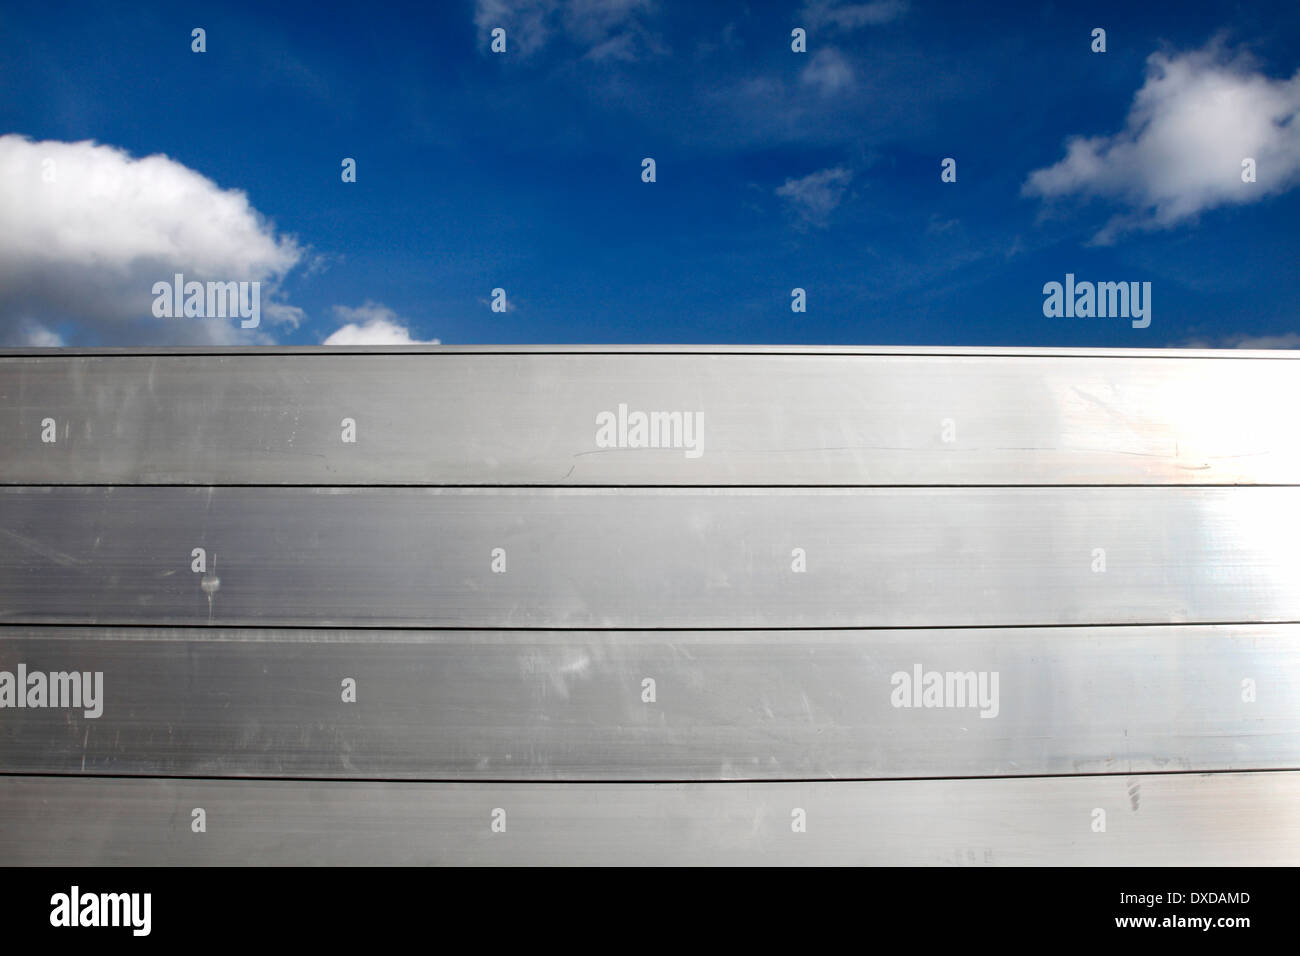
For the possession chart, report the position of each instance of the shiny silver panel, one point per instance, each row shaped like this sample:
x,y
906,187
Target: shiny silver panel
x,y
1169,819
538,705
529,417
618,558
450,725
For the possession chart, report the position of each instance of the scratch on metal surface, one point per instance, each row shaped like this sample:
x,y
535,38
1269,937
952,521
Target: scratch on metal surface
x,y
58,557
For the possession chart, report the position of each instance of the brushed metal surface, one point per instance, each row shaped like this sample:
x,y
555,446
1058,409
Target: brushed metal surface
x,y
544,705
620,558
1164,819
813,417
233,702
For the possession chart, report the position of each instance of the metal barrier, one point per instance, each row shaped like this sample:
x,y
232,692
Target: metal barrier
x,y
649,605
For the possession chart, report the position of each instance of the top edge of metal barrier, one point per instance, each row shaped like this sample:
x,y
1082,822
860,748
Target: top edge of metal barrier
x,y
861,350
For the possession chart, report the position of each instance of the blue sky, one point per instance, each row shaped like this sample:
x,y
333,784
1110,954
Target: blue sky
x,y
775,170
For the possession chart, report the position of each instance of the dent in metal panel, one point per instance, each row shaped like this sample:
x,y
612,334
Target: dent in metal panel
x,y
626,558
532,705
1162,820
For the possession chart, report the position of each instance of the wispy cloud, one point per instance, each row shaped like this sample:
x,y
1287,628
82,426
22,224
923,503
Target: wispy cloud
x,y
527,23
814,197
372,323
828,72
602,29
1195,119
851,16
1286,340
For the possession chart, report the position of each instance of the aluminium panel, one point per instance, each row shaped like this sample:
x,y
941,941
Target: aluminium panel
x,y
648,558
1153,820
723,705
808,418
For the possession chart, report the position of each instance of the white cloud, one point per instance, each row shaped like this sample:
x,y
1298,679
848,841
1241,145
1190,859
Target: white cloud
x,y
592,21
605,29
526,22
372,324
1286,340
34,335
86,230
851,16
827,72
1197,116
816,195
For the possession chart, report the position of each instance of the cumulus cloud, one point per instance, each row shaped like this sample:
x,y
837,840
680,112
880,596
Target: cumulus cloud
x,y
86,230
604,29
814,197
827,72
1195,119
372,324
851,16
